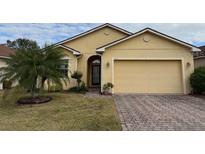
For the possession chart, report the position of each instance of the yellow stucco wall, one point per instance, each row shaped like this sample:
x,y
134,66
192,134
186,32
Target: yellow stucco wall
x,y
156,48
72,65
199,62
87,46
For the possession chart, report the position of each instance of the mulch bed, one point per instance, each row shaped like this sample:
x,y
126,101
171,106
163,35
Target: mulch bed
x,y
106,93
35,100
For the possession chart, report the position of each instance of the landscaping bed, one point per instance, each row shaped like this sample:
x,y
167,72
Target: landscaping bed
x,y
34,100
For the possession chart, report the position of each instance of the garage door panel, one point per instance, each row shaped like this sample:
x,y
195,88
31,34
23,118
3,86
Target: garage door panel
x,y
147,76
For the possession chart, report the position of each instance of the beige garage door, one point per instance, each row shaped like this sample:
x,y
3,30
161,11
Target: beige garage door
x,y
147,76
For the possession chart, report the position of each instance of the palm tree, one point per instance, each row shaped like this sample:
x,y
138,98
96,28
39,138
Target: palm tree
x,y
28,67
51,62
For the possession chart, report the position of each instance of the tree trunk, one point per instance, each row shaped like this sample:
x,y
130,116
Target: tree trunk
x,y
43,81
33,88
78,81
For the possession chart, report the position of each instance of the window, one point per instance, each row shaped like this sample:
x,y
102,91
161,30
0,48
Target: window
x,y
97,61
64,67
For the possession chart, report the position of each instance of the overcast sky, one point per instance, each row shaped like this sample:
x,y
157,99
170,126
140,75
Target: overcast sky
x,y
52,33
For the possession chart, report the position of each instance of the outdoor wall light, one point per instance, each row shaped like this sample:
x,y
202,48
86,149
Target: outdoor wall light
x,y
188,64
107,64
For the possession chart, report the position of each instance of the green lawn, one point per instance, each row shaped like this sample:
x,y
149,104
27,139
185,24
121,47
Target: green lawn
x,y
64,112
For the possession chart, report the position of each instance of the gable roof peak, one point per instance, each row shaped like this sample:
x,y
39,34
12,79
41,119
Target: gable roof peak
x,y
92,30
194,48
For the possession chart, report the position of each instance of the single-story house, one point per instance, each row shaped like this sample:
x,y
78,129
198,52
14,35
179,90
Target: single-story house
x,y
147,61
199,58
5,52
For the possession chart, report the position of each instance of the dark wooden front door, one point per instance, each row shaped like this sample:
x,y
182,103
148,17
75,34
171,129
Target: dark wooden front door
x,y
96,74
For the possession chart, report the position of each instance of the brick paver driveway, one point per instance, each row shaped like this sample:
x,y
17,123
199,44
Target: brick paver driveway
x,y
167,112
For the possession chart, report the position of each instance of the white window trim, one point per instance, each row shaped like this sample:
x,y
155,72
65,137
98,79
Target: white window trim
x,y
69,59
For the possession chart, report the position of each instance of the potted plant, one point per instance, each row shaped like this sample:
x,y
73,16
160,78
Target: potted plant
x,y
107,88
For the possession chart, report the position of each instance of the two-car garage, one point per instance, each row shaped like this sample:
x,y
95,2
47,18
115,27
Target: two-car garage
x,y
148,62
148,76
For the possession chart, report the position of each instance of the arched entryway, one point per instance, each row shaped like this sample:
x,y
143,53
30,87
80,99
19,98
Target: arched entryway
x,y
94,71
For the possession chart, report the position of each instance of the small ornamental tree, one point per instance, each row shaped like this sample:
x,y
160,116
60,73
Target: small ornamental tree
x,y
197,80
77,75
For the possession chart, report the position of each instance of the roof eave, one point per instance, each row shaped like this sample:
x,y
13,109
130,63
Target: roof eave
x,y
100,50
76,53
69,49
195,49
200,57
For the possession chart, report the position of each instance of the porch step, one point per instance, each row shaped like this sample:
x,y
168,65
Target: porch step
x,y
94,90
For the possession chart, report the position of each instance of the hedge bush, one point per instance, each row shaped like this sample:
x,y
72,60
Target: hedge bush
x,y
77,75
197,80
81,89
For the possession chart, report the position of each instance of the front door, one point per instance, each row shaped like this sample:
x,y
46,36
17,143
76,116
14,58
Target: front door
x,y
96,74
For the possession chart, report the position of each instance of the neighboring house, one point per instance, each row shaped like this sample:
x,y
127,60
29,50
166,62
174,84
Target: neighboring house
x,y
144,62
5,52
199,58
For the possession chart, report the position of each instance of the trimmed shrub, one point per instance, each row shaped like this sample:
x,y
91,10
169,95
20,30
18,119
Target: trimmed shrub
x,y
81,89
77,75
197,80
